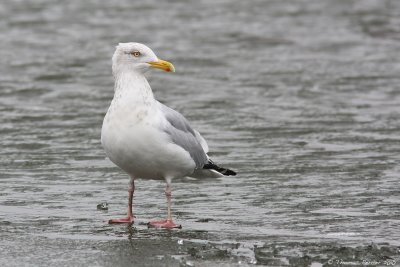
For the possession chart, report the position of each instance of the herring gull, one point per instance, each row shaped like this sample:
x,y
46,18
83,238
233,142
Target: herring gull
x,y
144,137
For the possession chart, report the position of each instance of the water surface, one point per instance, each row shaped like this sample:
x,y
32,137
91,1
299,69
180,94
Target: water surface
x,y
300,97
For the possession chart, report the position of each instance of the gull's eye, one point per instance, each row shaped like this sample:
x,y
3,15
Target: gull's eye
x,y
135,53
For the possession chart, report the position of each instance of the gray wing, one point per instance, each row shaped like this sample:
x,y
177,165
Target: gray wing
x,y
184,136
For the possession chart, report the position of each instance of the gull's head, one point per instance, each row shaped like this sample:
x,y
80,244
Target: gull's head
x,y
138,58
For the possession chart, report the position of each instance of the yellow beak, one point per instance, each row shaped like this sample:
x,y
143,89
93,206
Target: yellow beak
x,y
162,64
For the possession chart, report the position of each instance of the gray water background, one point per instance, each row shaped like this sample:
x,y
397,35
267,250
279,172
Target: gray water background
x,y
301,98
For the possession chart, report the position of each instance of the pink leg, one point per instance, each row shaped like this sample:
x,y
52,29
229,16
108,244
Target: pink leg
x,y
168,223
129,217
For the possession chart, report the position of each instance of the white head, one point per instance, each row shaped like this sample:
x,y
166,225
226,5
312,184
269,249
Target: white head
x,y
138,58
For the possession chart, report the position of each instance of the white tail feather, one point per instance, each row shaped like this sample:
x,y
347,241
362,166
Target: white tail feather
x,y
206,173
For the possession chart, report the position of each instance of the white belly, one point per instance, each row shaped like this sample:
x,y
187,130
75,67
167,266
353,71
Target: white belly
x,y
134,142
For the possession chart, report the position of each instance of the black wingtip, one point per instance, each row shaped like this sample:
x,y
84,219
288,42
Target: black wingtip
x,y
223,171
228,172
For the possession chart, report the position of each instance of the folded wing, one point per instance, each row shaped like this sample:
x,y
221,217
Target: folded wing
x,y
183,135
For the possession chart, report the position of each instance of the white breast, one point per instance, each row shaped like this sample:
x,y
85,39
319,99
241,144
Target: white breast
x,y
133,140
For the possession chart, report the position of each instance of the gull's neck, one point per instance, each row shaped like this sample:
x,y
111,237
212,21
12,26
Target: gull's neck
x,y
131,86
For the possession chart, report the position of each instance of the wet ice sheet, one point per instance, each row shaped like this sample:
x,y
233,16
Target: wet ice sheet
x,y
300,97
